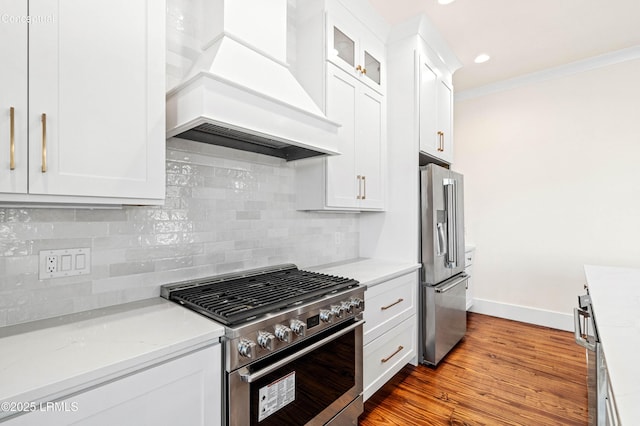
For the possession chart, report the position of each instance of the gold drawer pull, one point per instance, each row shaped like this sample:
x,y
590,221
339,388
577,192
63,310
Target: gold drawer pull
x,y
12,139
384,308
44,143
383,360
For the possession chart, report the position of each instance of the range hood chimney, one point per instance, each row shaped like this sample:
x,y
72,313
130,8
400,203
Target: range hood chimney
x,y
240,92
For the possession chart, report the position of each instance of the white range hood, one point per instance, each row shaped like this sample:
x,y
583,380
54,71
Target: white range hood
x,y
241,94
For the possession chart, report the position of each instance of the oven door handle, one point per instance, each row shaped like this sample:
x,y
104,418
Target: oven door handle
x,y
577,329
249,378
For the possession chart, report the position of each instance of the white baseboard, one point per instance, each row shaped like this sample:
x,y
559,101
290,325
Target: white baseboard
x,y
558,320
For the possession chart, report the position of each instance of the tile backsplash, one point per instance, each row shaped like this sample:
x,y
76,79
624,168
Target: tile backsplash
x,y
225,211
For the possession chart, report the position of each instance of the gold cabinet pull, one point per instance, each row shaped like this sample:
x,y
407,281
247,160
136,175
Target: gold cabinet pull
x,y
364,185
359,68
364,70
12,139
383,360
384,308
440,141
44,143
359,197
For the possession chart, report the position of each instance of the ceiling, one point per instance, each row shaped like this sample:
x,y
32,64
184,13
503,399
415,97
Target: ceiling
x,y
522,36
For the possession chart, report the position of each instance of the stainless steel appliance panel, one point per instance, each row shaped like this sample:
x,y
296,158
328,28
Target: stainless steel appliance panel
x,y
586,335
323,378
292,343
444,318
442,223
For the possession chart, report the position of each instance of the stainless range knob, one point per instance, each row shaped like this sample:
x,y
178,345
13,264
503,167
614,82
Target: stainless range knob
x,y
266,340
356,302
283,333
298,327
348,307
326,315
247,348
337,310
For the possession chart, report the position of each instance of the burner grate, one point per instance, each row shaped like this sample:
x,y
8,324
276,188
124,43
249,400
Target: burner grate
x,y
235,300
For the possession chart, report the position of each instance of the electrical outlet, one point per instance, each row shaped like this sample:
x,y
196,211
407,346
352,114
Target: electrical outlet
x,y
64,263
51,264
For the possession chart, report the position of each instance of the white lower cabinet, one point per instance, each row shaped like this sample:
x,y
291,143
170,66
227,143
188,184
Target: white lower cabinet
x,y
469,254
385,356
390,330
182,391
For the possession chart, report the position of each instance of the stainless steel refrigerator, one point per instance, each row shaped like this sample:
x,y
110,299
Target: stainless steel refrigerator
x,y
443,316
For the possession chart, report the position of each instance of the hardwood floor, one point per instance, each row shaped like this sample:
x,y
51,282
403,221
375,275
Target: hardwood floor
x,y
502,373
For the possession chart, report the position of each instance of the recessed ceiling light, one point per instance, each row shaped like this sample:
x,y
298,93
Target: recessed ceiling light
x,y
445,1
481,58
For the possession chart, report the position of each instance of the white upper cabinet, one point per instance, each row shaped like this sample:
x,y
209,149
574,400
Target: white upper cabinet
x,y
354,178
435,110
352,47
13,99
342,183
420,94
89,119
341,64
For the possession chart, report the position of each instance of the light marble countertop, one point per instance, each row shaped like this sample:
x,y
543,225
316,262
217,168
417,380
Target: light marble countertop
x,y
45,360
615,297
368,271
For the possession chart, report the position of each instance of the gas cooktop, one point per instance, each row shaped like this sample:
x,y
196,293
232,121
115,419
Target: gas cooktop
x,y
240,297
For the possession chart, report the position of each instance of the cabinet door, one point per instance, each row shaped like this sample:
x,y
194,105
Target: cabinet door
x,y
356,50
342,182
386,355
13,98
428,110
435,113
342,48
97,71
372,58
183,391
369,144
445,120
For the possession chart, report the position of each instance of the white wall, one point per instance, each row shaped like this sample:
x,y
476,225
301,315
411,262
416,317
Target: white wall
x,y
552,181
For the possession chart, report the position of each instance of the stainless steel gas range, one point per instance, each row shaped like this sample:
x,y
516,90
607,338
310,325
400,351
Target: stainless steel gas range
x,y
292,346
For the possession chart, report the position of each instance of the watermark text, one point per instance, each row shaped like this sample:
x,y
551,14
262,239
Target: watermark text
x,y
5,18
25,407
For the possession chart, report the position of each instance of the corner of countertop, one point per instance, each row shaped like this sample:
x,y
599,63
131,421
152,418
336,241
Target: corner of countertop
x,y
368,271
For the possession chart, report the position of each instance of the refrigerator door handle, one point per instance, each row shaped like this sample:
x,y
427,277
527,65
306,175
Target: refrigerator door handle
x,y
579,334
451,285
450,201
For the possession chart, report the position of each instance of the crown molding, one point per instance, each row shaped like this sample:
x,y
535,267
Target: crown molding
x,y
589,64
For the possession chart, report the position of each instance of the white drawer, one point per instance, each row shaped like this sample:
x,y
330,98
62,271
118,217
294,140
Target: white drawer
x,y
388,304
386,355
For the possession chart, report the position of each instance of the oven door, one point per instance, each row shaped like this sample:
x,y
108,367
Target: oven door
x,y
309,383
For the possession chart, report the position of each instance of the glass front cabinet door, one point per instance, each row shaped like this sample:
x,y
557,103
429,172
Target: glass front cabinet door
x,y
356,50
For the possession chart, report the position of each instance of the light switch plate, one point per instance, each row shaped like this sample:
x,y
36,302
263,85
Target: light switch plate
x,y
64,263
